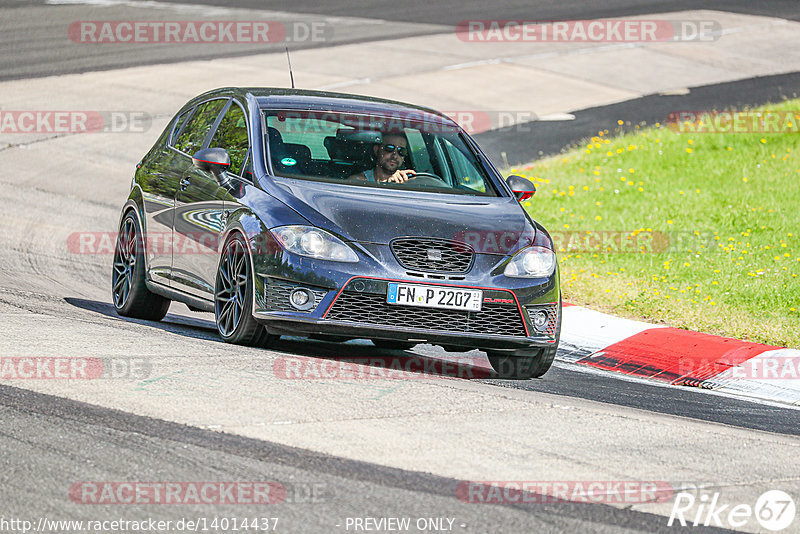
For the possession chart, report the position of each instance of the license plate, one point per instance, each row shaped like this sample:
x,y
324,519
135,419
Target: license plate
x,y
451,298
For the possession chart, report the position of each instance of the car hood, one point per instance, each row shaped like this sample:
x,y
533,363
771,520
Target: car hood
x,y
492,225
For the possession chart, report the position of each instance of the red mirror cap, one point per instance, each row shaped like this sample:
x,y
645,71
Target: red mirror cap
x,y
197,162
524,195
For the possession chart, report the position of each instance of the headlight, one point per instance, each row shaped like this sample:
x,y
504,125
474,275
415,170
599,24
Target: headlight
x,y
532,262
314,243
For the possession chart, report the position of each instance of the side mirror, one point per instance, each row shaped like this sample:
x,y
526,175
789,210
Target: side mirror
x,y
214,160
522,187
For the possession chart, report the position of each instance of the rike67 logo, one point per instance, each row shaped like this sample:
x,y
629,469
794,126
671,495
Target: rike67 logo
x,y
774,510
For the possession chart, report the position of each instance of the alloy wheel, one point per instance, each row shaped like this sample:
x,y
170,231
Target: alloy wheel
x,y
231,291
124,263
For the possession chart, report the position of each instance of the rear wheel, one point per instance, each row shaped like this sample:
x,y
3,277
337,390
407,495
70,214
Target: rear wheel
x,y
129,292
233,302
389,344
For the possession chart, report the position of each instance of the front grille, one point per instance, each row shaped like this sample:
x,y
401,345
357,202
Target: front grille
x,y
433,255
493,319
278,292
552,318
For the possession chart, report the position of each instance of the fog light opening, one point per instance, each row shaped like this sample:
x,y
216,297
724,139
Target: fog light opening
x,y
539,320
301,299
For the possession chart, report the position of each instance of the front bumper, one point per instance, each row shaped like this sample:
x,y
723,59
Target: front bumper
x,y
359,310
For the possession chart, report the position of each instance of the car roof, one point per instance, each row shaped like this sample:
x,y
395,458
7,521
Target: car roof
x,y
302,99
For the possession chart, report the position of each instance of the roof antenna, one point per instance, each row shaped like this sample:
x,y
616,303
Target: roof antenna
x,y
288,59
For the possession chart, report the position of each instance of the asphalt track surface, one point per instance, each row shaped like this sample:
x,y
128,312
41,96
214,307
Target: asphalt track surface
x,y
49,442
61,436
37,33
528,141
454,11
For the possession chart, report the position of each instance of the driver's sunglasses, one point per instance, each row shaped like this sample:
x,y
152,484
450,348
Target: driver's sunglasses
x,y
403,151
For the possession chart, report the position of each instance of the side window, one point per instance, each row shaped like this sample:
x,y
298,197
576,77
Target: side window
x,y
466,174
247,170
419,151
194,133
231,135
178,124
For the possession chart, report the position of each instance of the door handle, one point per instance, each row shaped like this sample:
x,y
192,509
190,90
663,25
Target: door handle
x,y
184,183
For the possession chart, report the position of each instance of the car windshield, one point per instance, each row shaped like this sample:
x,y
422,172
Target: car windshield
x,y
366,150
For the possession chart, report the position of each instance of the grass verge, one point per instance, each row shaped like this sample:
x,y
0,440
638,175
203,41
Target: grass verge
x,y
681,226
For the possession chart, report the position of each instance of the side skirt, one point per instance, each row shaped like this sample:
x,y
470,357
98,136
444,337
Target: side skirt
x,y
174,294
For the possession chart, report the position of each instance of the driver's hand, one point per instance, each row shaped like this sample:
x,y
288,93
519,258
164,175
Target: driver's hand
x,y
401,176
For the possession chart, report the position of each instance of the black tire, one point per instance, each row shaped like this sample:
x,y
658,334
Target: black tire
x,y
233,292
389,344
129,293
524,364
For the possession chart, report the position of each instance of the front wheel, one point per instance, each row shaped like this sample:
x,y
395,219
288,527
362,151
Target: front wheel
x,y
526,363
233,297
522,365
128,289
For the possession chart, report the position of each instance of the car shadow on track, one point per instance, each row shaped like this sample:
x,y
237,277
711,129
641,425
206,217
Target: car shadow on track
x,y
359,359
355,359
177,324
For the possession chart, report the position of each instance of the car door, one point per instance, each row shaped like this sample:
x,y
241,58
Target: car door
x,y
199,208
162,172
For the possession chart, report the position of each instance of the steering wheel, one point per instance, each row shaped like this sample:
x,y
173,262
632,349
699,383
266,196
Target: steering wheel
x,y
427,179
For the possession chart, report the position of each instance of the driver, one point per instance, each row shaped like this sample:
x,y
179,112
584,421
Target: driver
x,y
390,155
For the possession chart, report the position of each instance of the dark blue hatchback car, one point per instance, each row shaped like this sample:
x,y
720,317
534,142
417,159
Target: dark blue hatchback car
x,y
289,212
